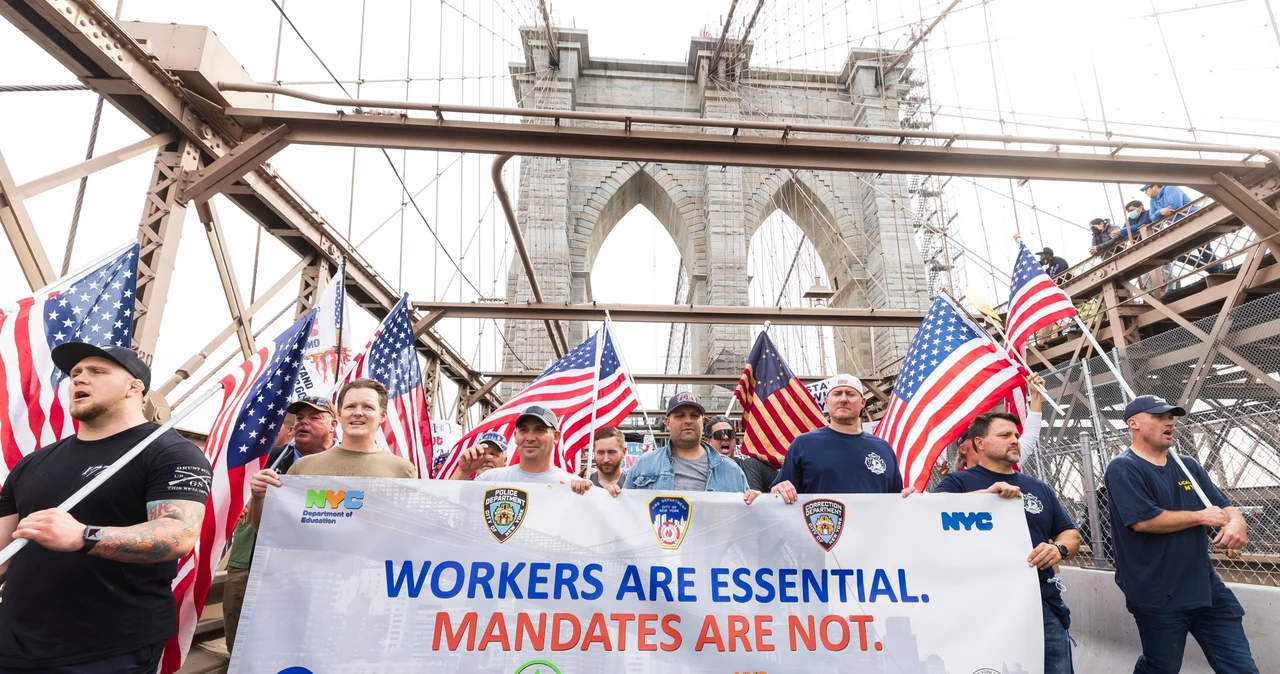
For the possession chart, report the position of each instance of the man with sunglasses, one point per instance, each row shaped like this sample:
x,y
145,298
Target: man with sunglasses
x,y
314,426
721,435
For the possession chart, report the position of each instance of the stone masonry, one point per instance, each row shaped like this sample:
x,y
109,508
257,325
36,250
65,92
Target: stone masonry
x,y
859,223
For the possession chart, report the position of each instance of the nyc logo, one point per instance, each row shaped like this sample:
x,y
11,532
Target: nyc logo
x,y
504,511
669,516
825,518
968,521
349,499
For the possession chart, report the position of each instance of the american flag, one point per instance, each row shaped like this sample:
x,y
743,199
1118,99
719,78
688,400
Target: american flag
x,y
952,373
94,306
776,407
1035,301
255,396
592,370
391,359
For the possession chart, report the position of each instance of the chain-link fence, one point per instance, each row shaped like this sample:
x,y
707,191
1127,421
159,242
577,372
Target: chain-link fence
x,y
1224,371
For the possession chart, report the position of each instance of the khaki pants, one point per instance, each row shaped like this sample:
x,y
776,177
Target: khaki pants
x,y
233,601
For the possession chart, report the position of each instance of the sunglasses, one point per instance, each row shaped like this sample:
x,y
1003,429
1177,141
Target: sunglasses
x,y
723,435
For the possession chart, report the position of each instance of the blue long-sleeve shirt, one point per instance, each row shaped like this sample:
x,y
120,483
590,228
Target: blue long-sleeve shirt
x,y
1173,198
1131,229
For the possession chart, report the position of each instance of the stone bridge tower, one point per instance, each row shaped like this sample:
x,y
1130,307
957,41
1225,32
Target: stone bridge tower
x,y
859,223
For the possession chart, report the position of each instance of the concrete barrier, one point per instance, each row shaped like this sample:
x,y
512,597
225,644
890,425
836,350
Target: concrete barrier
x,y
1107,639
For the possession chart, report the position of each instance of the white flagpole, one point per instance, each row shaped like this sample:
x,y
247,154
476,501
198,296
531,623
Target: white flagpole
x,y
595,395
10,550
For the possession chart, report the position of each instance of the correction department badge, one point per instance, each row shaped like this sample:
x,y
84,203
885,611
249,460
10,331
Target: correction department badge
x,y
876,464
669,516
504,511
825,518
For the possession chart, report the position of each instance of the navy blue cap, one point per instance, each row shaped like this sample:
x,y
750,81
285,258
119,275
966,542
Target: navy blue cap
x,y
1147,187
682,399
1153,405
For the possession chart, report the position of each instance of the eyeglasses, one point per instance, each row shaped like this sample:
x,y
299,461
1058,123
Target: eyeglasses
x,y
723,435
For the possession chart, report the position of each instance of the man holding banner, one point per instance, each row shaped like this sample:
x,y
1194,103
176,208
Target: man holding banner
x,y
93,594
687,463
536,437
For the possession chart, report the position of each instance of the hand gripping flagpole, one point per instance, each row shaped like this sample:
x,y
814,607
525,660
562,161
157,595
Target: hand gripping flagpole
x,y
72,501
1128,391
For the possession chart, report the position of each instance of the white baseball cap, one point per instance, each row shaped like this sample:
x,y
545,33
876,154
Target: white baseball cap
x,y
846,380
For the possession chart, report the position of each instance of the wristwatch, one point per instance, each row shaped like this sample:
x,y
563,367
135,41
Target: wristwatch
x,y
92,535
1062,550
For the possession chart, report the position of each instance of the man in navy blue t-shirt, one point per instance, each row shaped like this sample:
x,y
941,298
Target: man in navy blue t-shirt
x,y
1160,530
839,458
1054,537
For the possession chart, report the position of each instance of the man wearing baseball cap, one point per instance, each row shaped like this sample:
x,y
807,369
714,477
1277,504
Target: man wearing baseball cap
x,y
536,437
839,458
315,424
967,457
493,454
686,463
93,594
1159,526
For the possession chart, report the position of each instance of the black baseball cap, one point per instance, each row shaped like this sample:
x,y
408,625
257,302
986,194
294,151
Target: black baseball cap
x,y
1047,251
684,398
1152,404
318,403
65,356
543,414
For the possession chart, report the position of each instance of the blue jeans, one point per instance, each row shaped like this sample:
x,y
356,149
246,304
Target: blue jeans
x,y
1218,629
1057,644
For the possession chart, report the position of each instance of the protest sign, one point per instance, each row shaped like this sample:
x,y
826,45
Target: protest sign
x,y
356,574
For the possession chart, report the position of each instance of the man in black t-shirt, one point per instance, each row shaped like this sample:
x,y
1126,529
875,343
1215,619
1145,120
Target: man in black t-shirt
x,y
93,592
1053,535
1160,534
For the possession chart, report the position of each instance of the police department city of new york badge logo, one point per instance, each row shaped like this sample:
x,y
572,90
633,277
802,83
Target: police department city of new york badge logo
x,y
504,511
825,518
669,516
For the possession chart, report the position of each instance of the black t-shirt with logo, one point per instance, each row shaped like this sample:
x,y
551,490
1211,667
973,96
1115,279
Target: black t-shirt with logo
x,y
62,608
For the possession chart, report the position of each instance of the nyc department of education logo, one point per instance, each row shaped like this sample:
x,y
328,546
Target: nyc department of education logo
x,y
825,518
669,516
504,511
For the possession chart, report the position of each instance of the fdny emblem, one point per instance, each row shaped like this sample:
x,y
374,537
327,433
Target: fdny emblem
x,y
504,511
825,518
876,464
669,516
1031,503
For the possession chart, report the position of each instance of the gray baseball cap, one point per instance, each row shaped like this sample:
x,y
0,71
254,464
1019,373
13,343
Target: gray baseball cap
x,y
543,414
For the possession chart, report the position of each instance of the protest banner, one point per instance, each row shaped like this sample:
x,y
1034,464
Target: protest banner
x,y
818,390
357,574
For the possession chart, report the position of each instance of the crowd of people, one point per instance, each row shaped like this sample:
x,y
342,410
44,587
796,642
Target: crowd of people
x,y
93,594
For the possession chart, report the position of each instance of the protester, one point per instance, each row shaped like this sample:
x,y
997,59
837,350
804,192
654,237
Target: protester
x,y
610,448
686,463
493,454
1104,233
1053,264
1159,527
1137,217
93,592
1053,536
1167,201
721,435
314,423
839,458
536,437
1029,439
362,407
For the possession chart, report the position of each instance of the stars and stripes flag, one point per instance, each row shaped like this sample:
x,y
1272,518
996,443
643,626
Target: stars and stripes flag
x,y
952,372
776,407
255,396
391,359
1035,301
93,306
592,372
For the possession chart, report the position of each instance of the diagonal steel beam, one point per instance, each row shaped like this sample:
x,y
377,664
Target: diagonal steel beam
x,y
1258,215
1204,365
227,275
91,166
232,166
22,234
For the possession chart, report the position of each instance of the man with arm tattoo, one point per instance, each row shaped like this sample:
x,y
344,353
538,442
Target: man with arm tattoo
x,y
93,593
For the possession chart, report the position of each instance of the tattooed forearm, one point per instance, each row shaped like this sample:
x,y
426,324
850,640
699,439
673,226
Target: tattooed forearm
x,y
169,533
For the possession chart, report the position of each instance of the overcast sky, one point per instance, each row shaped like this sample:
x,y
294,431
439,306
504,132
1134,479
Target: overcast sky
x,y
1155,70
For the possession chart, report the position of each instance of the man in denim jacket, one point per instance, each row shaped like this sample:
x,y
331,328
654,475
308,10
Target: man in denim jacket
x,y
687,463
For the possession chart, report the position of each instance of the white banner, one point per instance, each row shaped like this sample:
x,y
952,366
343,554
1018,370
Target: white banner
x,y
321,360
363,575
818,390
